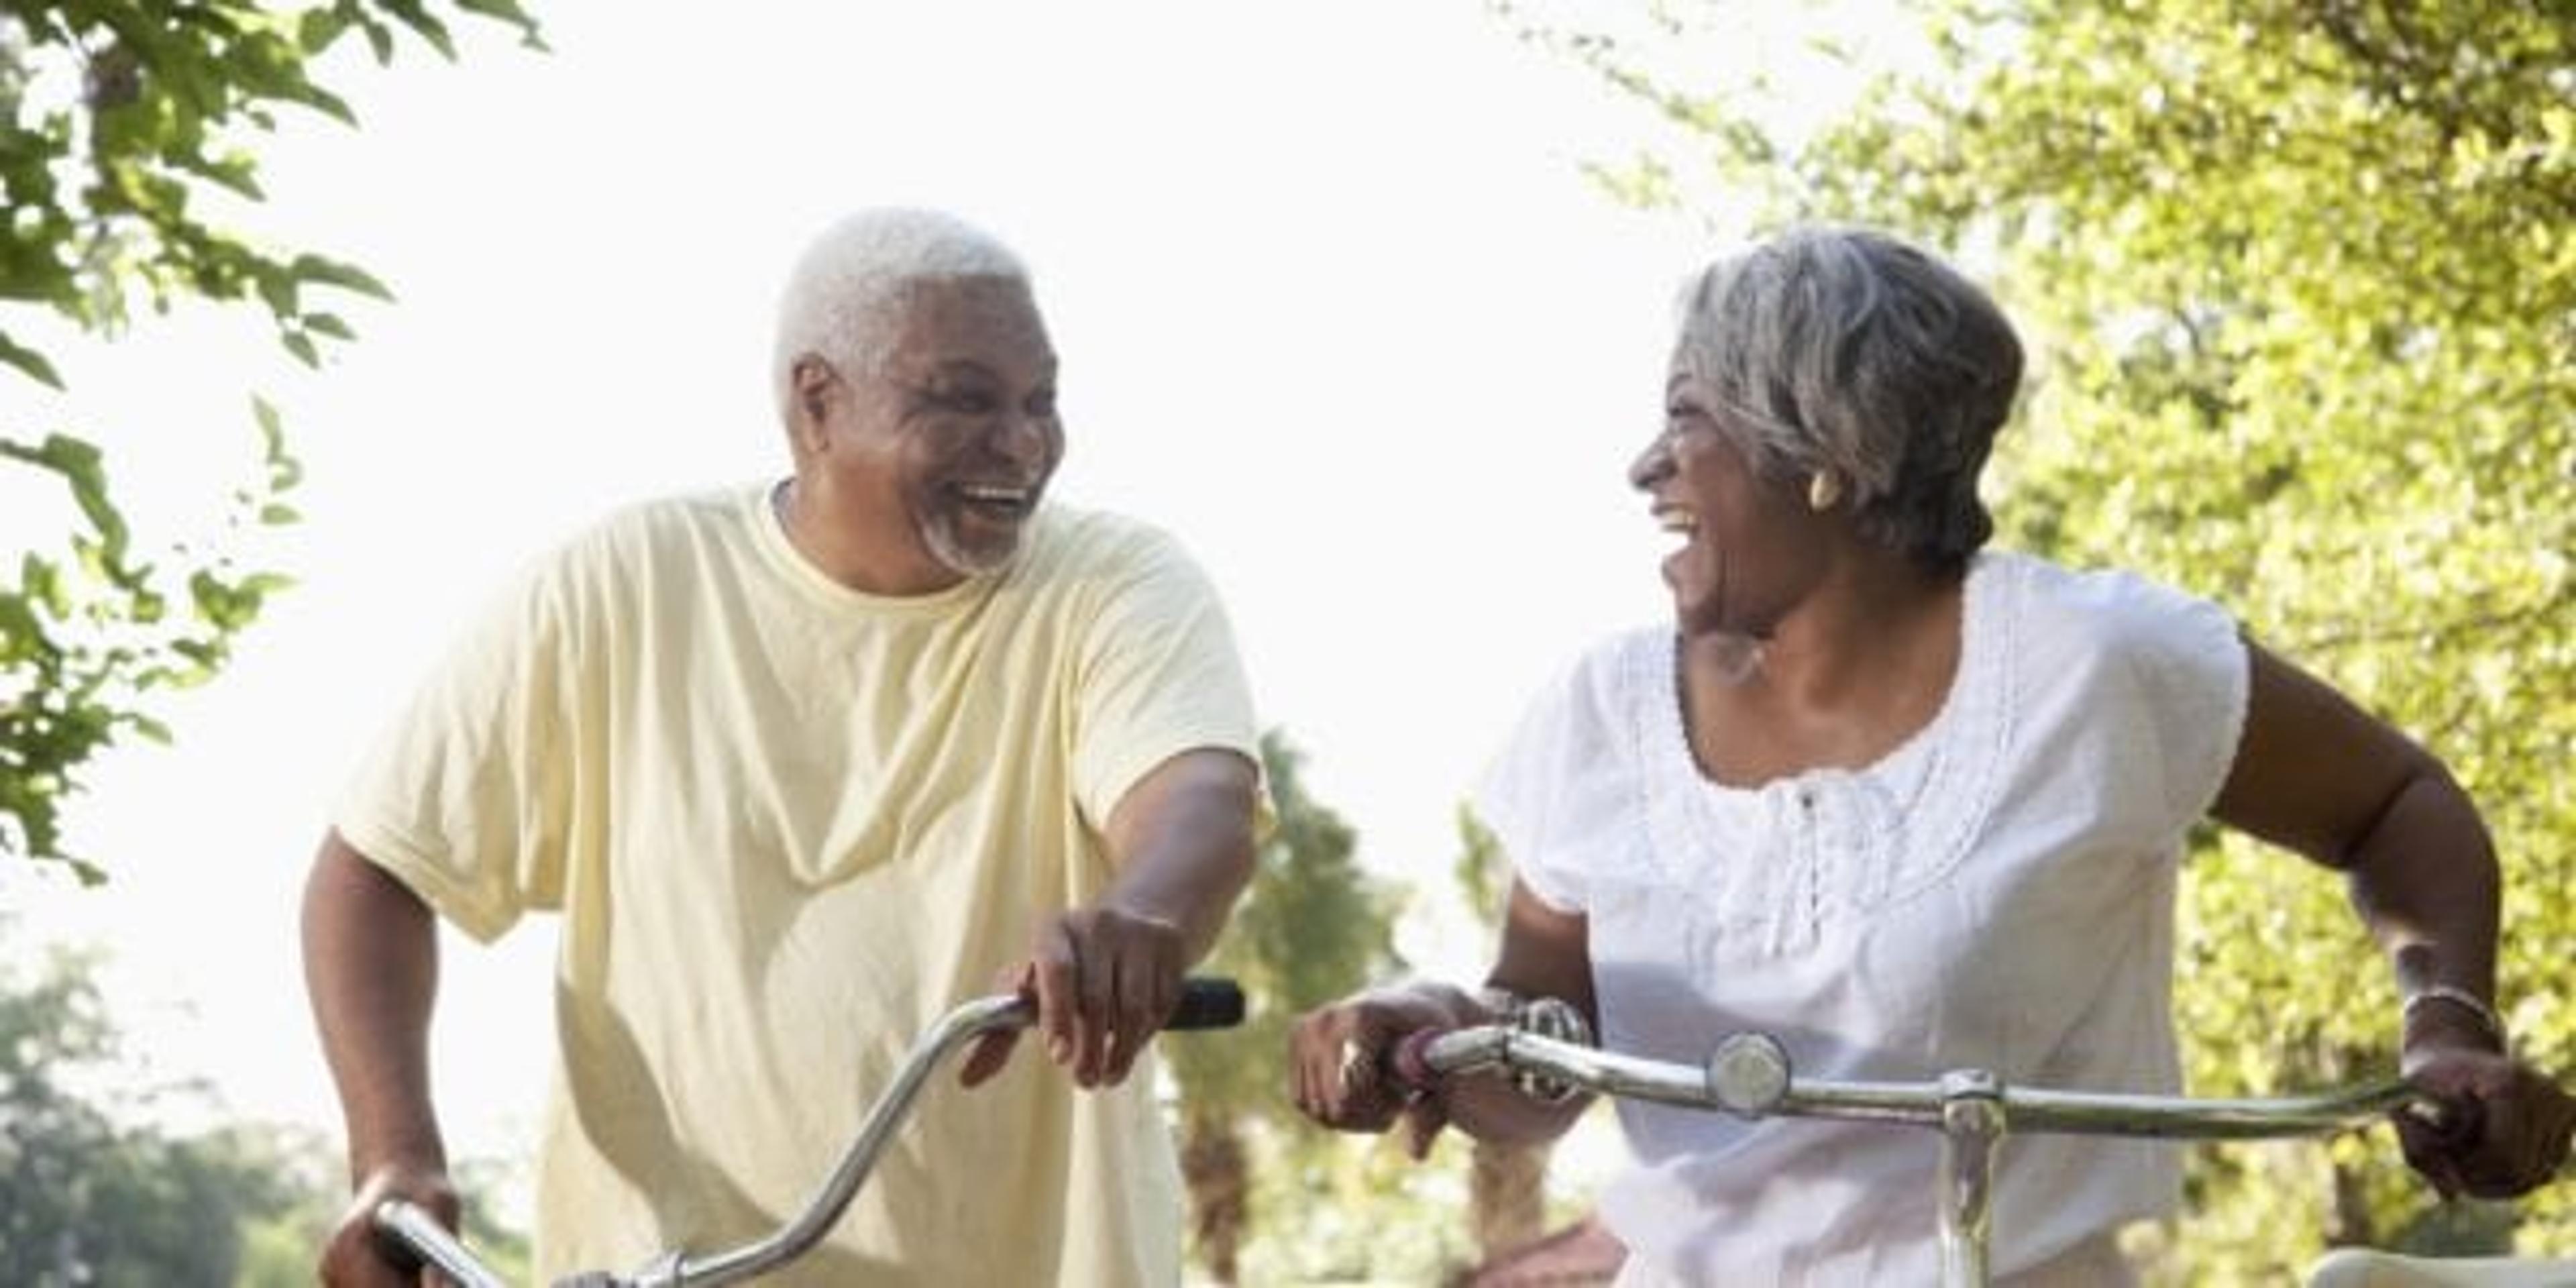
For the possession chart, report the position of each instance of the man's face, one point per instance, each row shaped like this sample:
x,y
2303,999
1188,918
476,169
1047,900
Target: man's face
x,y
955,435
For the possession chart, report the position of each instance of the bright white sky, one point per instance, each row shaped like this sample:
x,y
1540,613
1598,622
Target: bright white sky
x,y
1335,306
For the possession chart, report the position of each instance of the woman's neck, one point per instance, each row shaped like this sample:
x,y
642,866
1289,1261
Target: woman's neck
x,y
1863,662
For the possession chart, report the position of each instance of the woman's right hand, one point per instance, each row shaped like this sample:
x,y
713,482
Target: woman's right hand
x,y
361,1256
1338,1060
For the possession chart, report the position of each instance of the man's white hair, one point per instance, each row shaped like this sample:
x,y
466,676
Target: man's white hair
x,y
842,300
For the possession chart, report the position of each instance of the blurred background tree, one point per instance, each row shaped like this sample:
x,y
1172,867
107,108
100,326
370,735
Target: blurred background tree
x,y
98,1187
2299,277
1311,928
126,133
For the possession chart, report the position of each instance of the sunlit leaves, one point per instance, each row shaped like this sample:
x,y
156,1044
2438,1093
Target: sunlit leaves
x,y
82,643
122,126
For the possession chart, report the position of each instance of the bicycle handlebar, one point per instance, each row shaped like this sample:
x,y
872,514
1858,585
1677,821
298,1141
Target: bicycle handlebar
x,y
1206,1002
1748,1075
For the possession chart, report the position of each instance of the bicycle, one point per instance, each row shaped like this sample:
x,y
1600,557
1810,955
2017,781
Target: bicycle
x,y
1748,1074
1207,1002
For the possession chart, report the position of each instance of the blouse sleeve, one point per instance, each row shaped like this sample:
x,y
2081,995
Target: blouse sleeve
x,y
1541,794
2186,669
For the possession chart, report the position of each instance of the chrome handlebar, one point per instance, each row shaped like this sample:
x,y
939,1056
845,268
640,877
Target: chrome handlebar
x,y
1749,1075
1206,1003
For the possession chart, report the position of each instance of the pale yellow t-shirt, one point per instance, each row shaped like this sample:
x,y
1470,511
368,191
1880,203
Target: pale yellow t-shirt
x,y
787,826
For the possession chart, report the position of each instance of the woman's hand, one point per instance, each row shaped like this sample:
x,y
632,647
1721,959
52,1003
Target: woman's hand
x,y
1338,1058
2504,1126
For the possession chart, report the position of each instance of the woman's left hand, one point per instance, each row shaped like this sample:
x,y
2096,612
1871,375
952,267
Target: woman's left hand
x,y
2504,1126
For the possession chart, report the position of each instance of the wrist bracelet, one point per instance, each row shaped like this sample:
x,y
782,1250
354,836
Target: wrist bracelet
x,y
2460,997
1546,1017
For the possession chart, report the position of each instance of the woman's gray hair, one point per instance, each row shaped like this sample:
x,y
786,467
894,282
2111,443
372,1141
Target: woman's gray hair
x,y
1848,350
848,288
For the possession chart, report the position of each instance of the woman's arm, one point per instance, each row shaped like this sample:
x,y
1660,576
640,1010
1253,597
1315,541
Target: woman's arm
x,y
2315,774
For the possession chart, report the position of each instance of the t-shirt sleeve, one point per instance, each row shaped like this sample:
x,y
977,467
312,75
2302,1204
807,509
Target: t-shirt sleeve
x,y
2188,670
1157,674
466,797
1529,798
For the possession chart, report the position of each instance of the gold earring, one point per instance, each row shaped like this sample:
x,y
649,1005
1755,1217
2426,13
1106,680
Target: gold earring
x,y
1824,488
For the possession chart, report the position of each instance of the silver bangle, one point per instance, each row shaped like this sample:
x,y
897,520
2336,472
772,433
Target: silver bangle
x,y
1546,1017
2484,1014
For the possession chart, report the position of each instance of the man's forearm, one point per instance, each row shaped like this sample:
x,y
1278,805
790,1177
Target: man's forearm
x,y
371,971
1188,846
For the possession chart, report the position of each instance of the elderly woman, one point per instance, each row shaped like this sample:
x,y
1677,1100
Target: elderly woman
x,y
1913,805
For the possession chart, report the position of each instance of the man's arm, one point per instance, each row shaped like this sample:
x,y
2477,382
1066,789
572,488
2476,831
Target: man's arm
x,y
1107,976
371,971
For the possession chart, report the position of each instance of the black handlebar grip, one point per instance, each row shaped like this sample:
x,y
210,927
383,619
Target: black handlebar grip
x,y
1207,1002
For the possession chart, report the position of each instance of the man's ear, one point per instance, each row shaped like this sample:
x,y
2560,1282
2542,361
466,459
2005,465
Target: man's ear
x,y
813,386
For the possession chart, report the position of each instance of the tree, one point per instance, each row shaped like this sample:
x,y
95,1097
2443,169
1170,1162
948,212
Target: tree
x,y
1313,927
91,1192
2301,281
120,125
86,1199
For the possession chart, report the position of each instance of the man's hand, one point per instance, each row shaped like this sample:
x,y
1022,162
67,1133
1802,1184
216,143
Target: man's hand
x,y
1106,977
358,1256
1105,981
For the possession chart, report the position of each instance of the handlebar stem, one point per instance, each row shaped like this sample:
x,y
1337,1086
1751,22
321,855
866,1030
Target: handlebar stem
x,y
1972,1129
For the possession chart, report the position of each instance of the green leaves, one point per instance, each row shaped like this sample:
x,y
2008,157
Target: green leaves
x,y
29,361
119,125
83,642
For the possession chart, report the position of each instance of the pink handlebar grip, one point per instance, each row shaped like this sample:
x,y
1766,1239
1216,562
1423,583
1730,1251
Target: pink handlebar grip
x,y
1410,1067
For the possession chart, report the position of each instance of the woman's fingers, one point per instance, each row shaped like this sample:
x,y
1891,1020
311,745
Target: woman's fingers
x,y
2504,1130
1336,1067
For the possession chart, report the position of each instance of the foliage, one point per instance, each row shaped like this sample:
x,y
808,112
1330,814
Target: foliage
x,y
2301,281
120,125
92,1193
85,1199
1312,928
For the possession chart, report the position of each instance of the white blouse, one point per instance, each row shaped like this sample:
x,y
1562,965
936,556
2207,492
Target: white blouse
x,y
1996,893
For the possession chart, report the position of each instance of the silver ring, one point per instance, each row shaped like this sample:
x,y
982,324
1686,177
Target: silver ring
x,y
1357,1059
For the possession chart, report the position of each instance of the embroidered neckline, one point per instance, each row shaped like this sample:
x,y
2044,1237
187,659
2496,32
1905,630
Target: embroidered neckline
x,y
1788,858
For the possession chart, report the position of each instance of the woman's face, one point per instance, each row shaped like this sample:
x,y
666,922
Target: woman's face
x,y
1749,547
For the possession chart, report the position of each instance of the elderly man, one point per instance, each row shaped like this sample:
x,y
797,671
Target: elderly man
x,y
799,766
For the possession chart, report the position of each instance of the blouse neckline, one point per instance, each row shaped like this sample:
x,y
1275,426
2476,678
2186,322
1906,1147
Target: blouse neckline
x,y
1788,852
